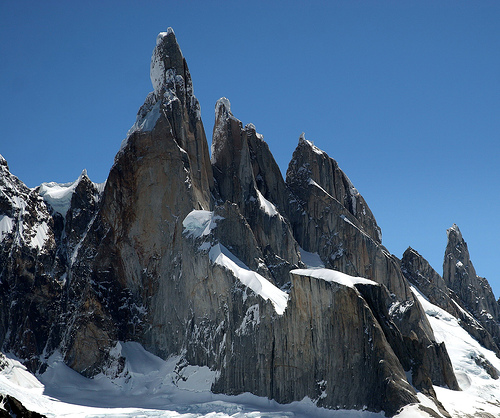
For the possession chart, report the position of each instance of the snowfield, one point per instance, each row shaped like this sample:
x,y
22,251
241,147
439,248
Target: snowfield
x,y
147,386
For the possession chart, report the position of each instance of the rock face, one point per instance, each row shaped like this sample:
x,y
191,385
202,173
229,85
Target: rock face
x,y
473,291
204,258
456,300
335,221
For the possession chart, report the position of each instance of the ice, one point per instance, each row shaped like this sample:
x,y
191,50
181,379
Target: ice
x,y
199,223
161,35
302,139
145,124
314,184
157,70
311,260
58,195
223,257
6,225
333,276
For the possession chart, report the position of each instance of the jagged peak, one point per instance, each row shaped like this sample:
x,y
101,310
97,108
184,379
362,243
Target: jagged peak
x,y
167,70
3,163
162,35
223,108
304,142
455,230
58,195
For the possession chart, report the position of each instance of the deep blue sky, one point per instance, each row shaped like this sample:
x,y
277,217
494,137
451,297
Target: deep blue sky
x,y
404,95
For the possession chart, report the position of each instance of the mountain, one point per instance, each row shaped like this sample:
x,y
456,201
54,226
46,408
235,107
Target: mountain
x,y
278,287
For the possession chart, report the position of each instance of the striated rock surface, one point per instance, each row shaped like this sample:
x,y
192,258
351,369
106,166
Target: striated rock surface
x,y
29,291
200,258
247,174
473,291
419,272
335,221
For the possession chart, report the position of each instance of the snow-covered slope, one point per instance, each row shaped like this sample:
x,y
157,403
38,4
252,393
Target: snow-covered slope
x,y
480,391
142,385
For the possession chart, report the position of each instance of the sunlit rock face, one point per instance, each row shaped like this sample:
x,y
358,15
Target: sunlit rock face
x,y
473,291
205,258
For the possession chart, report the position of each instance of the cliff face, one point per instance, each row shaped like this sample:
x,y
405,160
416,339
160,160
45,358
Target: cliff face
x,y
205,258
460,292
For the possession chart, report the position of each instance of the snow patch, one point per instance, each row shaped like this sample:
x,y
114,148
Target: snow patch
x,y
58,195
329,275
223,104
162,35
144,386
260,285
41,235
199,223
311,260
6,226
266,205
303,140
480,392
250,320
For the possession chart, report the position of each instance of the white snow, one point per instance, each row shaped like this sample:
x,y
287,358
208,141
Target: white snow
x,y
157,70
198,223
303,139
250,320
311,260
145,124
41,235
266,205
479,391
161,35
329,275
455,229
6,225
314,184
58,195
146,387
224,103
223,257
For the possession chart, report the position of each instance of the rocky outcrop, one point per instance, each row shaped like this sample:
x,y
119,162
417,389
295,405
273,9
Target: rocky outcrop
x,y
11,407
419,272
28,290
345,236
198,258
246,174
335,221
474,291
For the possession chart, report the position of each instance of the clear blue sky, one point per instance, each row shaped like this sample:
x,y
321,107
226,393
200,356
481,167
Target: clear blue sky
x,y
404,95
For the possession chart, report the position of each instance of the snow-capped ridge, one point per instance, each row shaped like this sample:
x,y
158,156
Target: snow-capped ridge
x,y
304,141
454,228
162,35
223,105
200,223
58,195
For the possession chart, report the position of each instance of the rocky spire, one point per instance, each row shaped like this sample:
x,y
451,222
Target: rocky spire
x,y
247,174
173,102
474,291
335,221
419,272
